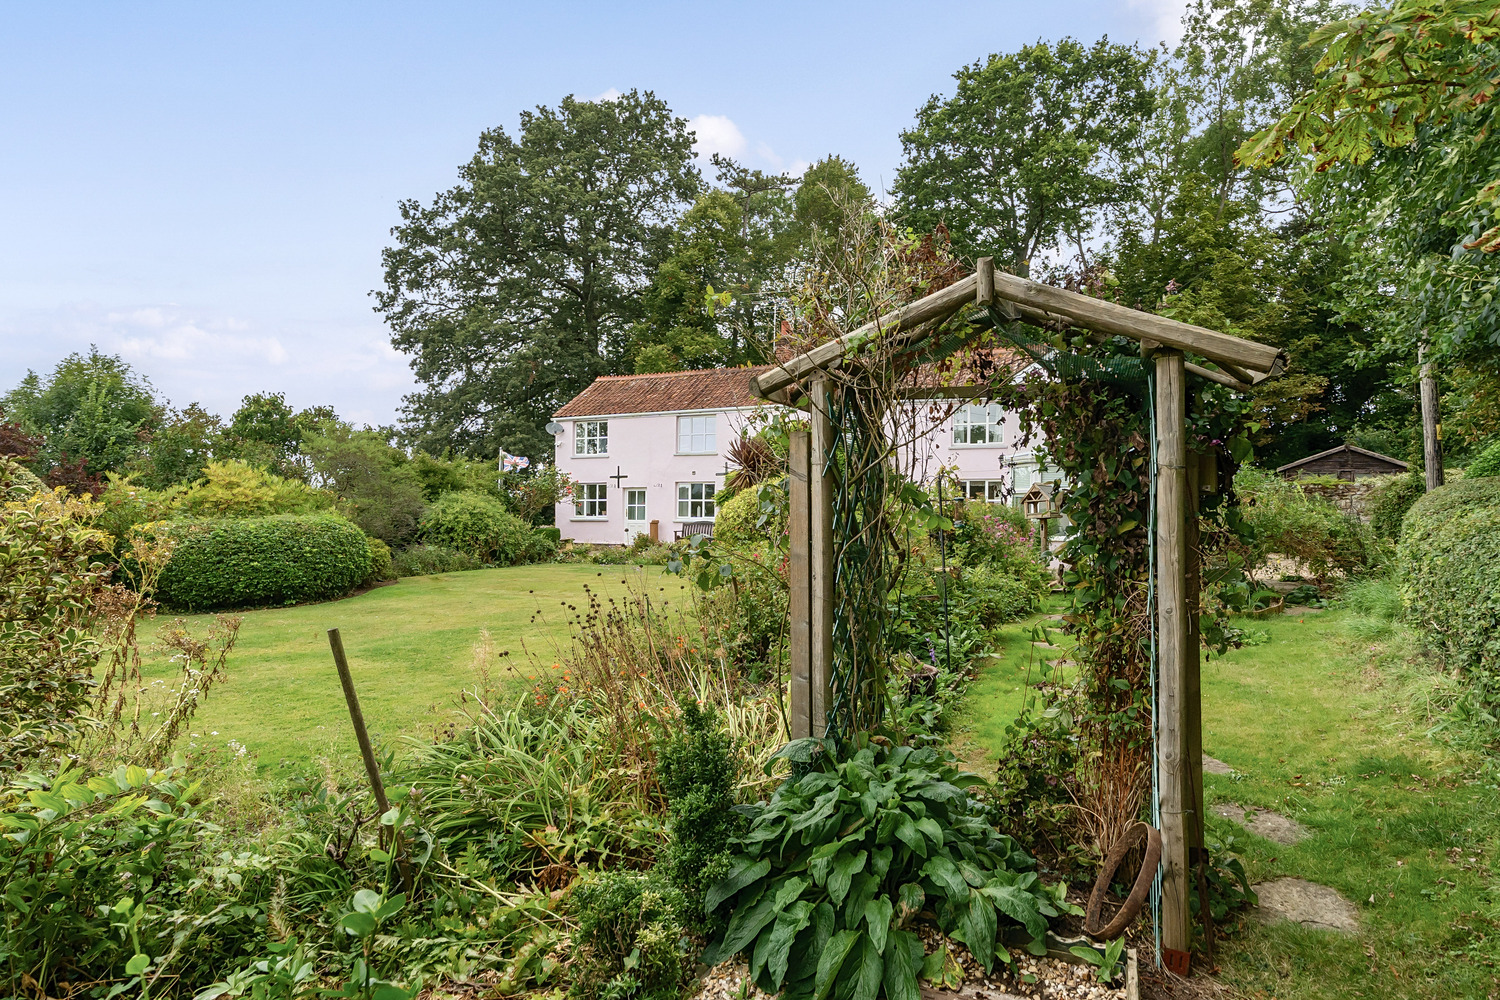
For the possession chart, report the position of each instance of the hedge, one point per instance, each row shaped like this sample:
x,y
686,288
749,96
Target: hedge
x,y
380,562
1389,499
243,562
1487,464
1449,576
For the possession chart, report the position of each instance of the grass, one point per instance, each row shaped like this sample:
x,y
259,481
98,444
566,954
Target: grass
x,y
1332,730
411,651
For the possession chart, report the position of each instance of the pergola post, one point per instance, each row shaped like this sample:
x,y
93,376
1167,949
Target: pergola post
x,y
820,530
1172,625
799,580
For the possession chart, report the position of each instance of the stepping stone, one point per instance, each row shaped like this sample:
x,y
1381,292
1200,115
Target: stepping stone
x,y
1045,645
1305,903
1271,825
1301,610
1212,765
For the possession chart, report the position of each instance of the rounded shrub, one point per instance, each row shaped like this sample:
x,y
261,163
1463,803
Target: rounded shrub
x,y
737,521
478,524
242,562
380,562
1448,577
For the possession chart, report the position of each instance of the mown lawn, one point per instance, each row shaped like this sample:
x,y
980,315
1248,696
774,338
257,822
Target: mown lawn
x,y
1320,727
411,650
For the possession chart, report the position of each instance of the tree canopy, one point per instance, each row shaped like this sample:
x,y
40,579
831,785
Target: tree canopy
x,y
519,285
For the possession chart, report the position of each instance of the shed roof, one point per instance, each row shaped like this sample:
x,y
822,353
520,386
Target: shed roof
x,y
666,392
1395,462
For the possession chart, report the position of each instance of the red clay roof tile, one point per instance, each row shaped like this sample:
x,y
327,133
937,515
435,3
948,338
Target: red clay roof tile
x,y
705,389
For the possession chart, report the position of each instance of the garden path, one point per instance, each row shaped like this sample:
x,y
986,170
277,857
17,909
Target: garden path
x,y
1332,732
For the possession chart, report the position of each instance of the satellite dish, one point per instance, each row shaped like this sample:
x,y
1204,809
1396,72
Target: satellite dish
x,y
553,427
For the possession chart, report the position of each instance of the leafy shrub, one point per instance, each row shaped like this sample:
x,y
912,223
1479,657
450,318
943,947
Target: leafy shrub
x,y
50,580
552,535
1389,499
262,561
749,617
99,874
1449,551
993,596
1285,519
376,486
425,560
380,562
235,489
1030,796
834,869
632,943
753,515
479,525
698,770
1486,464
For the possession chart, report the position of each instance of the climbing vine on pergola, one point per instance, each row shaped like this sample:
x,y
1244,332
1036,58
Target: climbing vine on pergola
x,y
839,484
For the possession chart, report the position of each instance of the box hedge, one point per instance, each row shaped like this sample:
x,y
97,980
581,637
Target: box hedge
x,y
242,562
1449,576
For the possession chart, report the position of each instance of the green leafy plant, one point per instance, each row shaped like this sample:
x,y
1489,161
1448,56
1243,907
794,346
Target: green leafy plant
x,y
632,941
698,770
835,868
479,524
262,561
1106,963
425,560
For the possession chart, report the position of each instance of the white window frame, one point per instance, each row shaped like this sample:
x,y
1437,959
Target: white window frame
x,y
591,502
629,506
991,425
700,436
704,500
591,438
990,490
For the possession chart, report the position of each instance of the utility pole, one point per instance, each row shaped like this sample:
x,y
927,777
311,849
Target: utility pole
x,y
1432,427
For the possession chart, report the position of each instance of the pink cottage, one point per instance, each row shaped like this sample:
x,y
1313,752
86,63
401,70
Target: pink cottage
x,y
648,453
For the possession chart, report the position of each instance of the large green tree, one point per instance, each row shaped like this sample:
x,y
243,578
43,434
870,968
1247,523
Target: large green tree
x,y
1026,153
92,408
518,286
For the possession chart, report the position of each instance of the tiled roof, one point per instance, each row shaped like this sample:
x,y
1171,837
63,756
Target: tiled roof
x,y
705,389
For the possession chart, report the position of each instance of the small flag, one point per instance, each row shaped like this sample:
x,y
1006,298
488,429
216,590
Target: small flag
x,y
513,463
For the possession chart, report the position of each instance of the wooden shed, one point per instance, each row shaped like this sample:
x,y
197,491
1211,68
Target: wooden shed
x,y
1344,462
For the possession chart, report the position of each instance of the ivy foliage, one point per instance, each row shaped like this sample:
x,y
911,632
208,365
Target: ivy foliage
x,y
826,883
262,561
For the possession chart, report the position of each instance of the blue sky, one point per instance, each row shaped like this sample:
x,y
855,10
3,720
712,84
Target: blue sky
x,y
205,189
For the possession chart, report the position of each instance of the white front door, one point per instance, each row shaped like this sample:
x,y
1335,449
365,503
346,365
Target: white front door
x,y
635,514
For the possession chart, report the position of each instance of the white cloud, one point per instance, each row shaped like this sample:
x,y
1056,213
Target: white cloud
x,y
1163,18
163,333
610,94
717,134
215,359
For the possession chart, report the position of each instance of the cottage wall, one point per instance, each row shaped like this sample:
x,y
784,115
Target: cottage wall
x,y
642,448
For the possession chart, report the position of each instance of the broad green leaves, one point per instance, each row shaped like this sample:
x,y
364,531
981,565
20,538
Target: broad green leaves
x,y
835,868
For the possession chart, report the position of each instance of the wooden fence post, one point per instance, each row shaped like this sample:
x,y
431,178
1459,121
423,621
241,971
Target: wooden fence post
x,y
1432,427
1172,651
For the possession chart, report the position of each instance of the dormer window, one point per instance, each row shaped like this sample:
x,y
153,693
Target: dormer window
x,y
591,437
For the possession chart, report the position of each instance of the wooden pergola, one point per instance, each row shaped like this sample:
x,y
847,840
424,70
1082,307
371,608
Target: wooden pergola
x,y
1240,364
